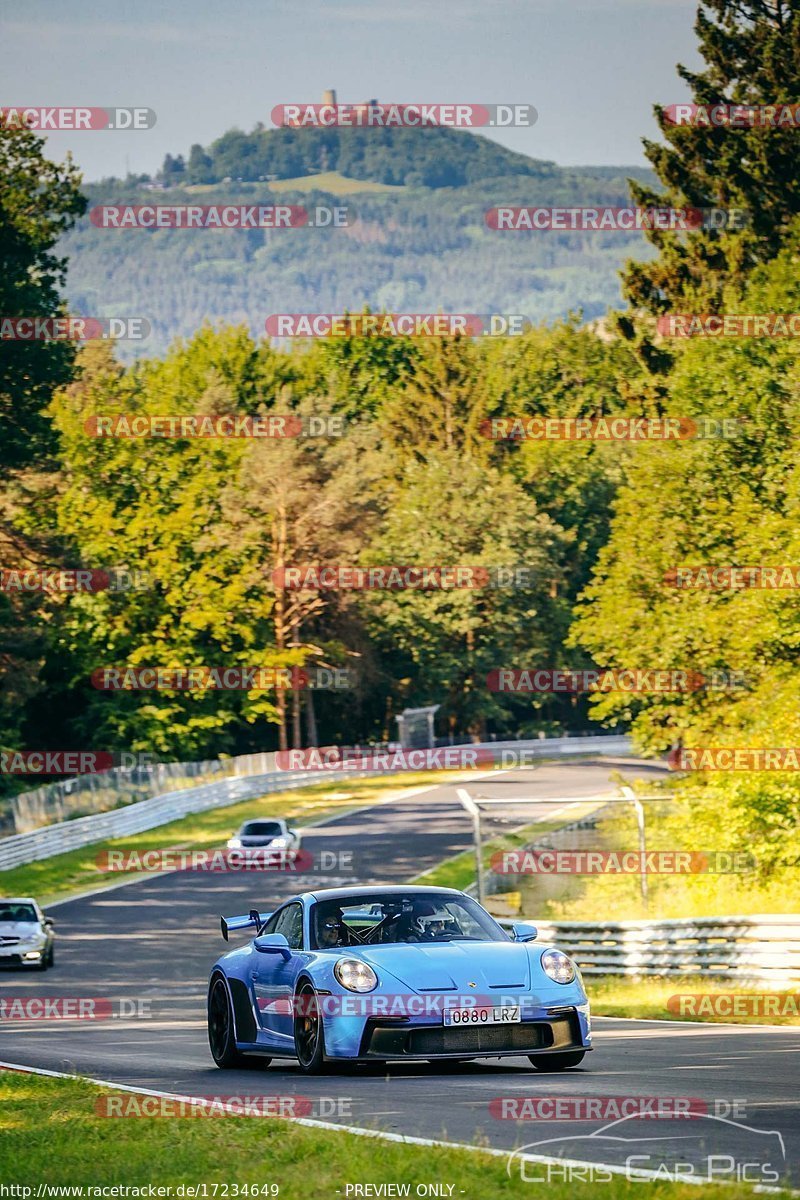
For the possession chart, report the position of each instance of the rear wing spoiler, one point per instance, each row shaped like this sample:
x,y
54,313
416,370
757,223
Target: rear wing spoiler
x,y
255,920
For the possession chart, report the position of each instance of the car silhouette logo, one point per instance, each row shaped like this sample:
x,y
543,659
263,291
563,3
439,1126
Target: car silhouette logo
x,y
472,984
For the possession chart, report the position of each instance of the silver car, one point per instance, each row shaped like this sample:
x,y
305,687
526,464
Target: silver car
x,y
271,833
26,934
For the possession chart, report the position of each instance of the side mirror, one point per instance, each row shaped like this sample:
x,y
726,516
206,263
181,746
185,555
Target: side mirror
x,y
522,931
273,943
48,921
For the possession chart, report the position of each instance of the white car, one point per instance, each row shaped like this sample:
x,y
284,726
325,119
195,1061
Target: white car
x,y
264,833
26,934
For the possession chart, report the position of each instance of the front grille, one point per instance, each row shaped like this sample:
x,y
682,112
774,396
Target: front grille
x,y
400,1041
447,1040
9,941
12,960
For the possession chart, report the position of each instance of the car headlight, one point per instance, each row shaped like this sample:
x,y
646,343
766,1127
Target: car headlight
x,y
279,842
355,975
558,966
234,843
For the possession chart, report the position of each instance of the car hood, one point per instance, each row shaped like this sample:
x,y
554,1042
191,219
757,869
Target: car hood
x,y
20,929
452,966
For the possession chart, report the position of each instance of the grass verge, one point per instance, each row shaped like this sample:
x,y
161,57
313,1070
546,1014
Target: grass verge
x,y
691,998
77,871
51,1134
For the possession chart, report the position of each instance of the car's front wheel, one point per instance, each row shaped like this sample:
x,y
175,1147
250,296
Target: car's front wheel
x,y
309,1038
557,1062
221,1037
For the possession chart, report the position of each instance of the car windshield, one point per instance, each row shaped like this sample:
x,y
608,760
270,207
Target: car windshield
x,y
17,912
393,918
261,829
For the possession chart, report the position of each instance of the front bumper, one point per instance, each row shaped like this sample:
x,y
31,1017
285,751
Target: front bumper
x,y
393,1039
17,958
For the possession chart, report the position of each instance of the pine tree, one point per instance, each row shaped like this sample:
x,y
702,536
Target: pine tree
x,y
752,53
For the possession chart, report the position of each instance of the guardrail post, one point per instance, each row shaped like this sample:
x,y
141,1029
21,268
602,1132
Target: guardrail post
x,y
639,807
474,811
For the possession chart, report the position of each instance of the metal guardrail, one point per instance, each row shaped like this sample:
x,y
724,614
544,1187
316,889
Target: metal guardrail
x,y
58,838
43,843
761,949
85,795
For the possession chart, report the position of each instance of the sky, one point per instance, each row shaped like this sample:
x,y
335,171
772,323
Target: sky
x,y
592,68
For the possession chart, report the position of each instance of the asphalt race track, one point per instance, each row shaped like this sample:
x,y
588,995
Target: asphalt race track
x,y
152,943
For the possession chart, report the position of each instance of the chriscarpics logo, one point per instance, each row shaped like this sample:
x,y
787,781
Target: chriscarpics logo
x,y
707,1149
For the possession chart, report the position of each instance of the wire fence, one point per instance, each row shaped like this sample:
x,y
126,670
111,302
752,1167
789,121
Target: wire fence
x,y
85,795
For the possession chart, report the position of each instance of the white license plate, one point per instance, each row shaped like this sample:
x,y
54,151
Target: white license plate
x,y
505,1014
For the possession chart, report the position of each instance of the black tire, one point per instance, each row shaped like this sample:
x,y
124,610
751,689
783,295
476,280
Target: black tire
x,y
557,1062
51,956
309,1035
221,1038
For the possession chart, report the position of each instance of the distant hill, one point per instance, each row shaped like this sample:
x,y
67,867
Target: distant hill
x,y
415,247
434,158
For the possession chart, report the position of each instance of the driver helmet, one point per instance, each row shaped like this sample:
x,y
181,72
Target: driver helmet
x,y
422,910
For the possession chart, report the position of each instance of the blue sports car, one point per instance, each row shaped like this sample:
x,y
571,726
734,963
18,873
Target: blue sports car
x,y
378,973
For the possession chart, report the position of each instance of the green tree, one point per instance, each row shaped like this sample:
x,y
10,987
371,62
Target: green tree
x,y
716,501
450,511
39,201
751,50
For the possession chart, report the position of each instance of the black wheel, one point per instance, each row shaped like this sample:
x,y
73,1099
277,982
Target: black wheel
x,y
309,1038
557,1062
51,956
221,1034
